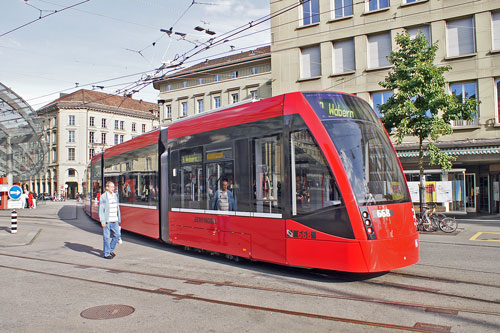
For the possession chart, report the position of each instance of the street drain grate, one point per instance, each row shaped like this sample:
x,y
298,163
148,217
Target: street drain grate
x,y
107,312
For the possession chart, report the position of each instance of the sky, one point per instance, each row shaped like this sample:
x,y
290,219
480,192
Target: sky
x,y
95,43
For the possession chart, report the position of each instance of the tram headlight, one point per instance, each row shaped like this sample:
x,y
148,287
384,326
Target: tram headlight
x,y
365,215
369,230
368,223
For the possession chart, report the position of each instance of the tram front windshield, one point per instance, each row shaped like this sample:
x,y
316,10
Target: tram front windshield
x,y
364,148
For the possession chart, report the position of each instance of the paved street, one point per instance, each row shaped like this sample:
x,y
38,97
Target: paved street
x,y
52,270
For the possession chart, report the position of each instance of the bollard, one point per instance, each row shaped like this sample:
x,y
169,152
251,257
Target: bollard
x,y
13,222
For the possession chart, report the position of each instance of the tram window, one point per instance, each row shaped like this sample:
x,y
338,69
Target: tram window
x,y
315,188
191,178
268,173
216,173
192,186
96,173
135,175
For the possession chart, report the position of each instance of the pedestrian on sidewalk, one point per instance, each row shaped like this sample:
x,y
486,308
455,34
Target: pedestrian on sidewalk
x,y
109,215
30,200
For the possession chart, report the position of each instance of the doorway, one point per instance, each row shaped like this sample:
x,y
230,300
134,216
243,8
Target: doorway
x,y
470,192
484,193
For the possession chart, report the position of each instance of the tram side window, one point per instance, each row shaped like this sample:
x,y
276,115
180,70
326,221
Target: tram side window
x,y
135,175
96,173
315,188
268,173
191,179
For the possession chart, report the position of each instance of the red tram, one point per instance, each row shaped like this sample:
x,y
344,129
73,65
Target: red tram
x,y
315,179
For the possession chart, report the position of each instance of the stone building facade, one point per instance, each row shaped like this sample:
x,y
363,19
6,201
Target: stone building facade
x,y
342,45
81,124
215,83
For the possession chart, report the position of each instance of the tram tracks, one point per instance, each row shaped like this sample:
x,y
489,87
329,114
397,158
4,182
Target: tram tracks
x,y
189,280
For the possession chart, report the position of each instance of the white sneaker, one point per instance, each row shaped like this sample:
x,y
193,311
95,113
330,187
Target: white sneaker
x,y
120,240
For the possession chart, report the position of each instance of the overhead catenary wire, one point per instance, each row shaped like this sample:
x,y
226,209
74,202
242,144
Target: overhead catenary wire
x,y
44,16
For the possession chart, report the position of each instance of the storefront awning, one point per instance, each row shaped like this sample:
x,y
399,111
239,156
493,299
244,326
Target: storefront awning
x,y
455,151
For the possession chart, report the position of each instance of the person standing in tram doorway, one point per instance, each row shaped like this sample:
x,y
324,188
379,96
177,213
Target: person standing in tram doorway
x,y
224,199
109,215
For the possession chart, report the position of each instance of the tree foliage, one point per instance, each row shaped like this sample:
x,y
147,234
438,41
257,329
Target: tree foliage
x,y
420,106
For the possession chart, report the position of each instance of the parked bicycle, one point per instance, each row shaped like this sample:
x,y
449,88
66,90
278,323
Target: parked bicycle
x,y
431,220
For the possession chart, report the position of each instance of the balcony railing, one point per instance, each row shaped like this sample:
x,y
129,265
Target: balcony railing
x,y
465,123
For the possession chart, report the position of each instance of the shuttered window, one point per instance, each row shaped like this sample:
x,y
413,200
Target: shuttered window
x,y
343,56
495,30
425,29
310,62
460,37
379,48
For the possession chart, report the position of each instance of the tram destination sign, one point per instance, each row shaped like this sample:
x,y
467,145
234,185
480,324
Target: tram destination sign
x,y
334,105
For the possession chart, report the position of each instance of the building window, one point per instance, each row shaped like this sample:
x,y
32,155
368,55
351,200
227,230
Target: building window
x,y
133,127
103,138
184,107
310,12
71,172
343,56
495,30
497,91
235,97
116,139
122,125
71,136
254,94
377,4
234,74
71,154
116,124
199,104
184,84
91,137
71,120
343,8
91,121
411,1
378,99
169,111
91,153
122,137
169,87
464,91
201,81
255,70
54,155
217,78
216,102
379,48
310,62
425,29
143,128
460,37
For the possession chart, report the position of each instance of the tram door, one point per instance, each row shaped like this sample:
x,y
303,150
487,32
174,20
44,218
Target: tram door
x,y
268,174
215,173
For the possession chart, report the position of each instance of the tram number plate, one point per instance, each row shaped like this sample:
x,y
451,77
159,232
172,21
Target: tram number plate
x,y
384,213
301,234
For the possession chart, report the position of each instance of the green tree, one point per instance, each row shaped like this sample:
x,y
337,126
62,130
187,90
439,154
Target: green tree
x,y
420,106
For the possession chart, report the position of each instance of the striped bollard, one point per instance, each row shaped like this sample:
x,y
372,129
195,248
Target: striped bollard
x,y
13,222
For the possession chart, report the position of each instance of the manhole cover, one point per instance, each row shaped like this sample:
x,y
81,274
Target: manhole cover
x,y
107,311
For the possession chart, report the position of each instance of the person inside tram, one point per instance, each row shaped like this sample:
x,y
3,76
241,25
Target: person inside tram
x,y
224,199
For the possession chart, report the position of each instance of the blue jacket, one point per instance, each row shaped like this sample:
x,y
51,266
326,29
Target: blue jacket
x,y
230,197
104,208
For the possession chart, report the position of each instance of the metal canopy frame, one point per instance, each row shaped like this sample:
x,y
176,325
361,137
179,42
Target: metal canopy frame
x,y
23,150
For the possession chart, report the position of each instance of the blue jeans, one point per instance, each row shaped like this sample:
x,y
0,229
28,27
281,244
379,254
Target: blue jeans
x,y
106,232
